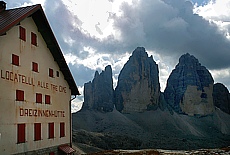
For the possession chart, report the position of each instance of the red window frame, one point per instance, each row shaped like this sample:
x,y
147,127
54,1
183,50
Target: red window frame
x,y
47,99
51,130
51,72
15,59
62,129
37,131
19,95
35,66
51,153
22,33
33,39
21,133
38,98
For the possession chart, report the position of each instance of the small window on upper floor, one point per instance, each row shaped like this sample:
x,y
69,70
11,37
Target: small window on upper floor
x,y
15,59
38,98
33,39
51,72
35,66
47,99
22,33
19,95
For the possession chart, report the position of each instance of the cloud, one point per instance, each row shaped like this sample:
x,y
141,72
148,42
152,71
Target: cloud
x,y
98,28
12,4
76,105
81,74
217,10
168,27
171,28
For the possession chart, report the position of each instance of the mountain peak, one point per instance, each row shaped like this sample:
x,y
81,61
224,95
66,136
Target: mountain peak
x,y
98,94
138,87
139,51
189,87
188,59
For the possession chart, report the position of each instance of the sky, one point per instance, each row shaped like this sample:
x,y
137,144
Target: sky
x,y
93,34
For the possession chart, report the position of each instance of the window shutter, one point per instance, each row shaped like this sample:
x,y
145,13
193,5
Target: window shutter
x,y
19,95
33,39
35,66
37,131
15,59
38,98
62,129
51,130
47,99
51,74
21,133
22,33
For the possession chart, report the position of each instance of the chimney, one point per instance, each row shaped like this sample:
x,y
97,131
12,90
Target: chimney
x,y
2,6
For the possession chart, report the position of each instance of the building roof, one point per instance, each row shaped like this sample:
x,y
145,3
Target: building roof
x,y
12,17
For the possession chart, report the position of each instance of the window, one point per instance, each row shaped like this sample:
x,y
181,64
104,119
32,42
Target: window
x,y
57,73
62,129
51,130
51,153
35,66
19,95
47,99
51,73
22,34
21,133
38,98
33,39
37,131
15,59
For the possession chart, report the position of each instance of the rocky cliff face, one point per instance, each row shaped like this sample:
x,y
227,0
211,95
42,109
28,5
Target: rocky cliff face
x,y
138,87
99,93
221,97
189,88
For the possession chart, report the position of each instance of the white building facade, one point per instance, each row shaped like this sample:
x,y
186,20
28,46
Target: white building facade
x,y
35,83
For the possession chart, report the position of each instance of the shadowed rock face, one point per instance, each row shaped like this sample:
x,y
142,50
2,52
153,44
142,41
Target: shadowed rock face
x,y
98,94
189,87
138,87
221,97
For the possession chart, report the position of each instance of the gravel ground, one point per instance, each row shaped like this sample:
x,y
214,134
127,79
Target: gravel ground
x,y
221,151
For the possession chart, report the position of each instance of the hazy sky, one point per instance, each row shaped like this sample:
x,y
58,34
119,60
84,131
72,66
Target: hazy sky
x,y
93,34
